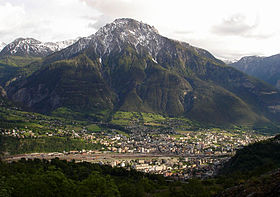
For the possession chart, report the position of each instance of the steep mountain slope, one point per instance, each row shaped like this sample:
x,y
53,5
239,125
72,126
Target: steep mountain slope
x,y
21,57
76,84
264,68
127,65
13,67
34,48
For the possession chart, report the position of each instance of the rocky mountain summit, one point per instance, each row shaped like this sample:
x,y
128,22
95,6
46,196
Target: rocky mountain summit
x,y
33,47
115,36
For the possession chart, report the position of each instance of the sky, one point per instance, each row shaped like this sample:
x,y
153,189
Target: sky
x,y
229,29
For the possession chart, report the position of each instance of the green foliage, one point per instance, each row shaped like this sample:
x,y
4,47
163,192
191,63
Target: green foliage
x,y
152,118
62,178
16,119
18,61
98,185
5,190
126,118
255,159
251,170
14,66
6,73
93,128
14,145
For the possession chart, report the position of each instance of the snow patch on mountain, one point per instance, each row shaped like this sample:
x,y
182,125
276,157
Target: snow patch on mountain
x,y
33,47
114,36
249,59
64,44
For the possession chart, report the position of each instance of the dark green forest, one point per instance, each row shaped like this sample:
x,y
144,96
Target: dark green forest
x,y
62,178
12,145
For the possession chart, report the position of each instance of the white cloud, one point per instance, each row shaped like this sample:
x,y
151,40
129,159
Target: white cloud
x,y
228,29
44,20
235,25
11,18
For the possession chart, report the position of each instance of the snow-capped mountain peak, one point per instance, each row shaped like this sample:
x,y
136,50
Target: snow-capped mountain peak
x,y
65,43
33,47
112,37
127,26
248,59
122,30
26,47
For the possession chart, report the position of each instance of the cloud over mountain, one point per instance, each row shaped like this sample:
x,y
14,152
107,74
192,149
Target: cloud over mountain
x,y
226,28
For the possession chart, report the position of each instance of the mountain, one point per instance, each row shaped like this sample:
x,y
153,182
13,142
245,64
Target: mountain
x,y
65,43
264,68
116,36
2,45
127,65
34,48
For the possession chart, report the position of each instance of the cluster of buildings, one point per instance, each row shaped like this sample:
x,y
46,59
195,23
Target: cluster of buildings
x,y
203,142
18,133
173,153
181,168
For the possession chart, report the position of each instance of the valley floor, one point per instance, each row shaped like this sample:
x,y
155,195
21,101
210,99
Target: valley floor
x,y
170,165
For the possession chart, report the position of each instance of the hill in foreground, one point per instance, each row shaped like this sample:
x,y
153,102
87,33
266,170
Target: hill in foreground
x,y
254,170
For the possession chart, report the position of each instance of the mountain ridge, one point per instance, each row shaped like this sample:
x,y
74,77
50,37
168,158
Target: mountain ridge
x,y
144,71
33,47
112,35
264,68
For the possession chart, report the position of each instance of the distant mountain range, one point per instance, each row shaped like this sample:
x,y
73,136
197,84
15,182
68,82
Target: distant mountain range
x,y
33,47
127,65
264,68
